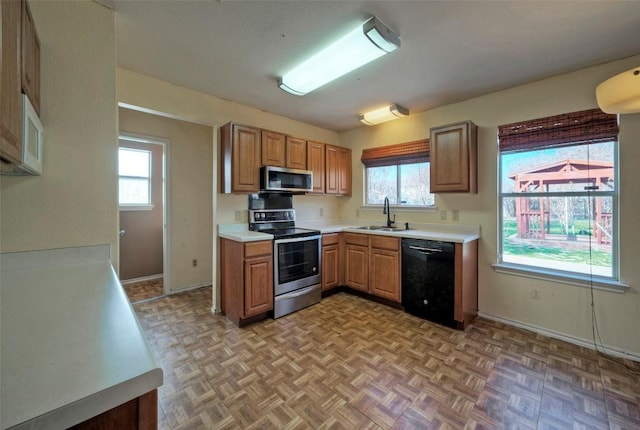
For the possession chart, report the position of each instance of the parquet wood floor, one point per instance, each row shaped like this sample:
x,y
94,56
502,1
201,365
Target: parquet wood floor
x,y
144,290
348,363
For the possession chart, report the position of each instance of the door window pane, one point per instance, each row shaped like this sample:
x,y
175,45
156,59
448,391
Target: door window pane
x,y
135,176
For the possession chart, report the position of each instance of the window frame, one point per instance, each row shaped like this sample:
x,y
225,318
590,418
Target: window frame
x,y
137,206
612,282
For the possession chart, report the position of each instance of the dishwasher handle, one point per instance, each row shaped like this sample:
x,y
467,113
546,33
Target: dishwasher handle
x,y
424,250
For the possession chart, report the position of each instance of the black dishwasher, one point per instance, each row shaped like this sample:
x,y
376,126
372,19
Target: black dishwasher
x,y
428,279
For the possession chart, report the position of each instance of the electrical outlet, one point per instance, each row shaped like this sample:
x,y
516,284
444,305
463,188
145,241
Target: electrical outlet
x,y
455,214
238,215
443,215
357,213
321,211
535,294
194,262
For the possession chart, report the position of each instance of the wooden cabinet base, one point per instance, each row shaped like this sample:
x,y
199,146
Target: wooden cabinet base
x,y
140,413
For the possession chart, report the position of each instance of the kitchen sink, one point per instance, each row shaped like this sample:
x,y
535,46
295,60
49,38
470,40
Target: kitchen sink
x,y
379,228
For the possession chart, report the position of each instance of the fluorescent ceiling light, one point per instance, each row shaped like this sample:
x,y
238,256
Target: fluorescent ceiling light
x,y
384,114
621,93
365,43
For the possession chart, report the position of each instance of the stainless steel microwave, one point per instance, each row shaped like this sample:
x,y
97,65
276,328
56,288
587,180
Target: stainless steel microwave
x,y
281,179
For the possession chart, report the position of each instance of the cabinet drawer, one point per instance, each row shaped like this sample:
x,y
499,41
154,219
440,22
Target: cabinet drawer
x,y
356,239
383,242
330,239
253,249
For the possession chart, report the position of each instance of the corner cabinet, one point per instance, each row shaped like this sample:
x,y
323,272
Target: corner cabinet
x,y
247,279
239,159
453,153
372,265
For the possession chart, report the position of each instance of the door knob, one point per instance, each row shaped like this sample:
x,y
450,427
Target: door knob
x,y
122,232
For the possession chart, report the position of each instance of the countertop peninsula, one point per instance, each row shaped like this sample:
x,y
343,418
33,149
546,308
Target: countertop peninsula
x,y
71,345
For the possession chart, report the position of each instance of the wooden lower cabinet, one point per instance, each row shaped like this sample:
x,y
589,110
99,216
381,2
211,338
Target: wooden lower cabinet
x,y
372,265
385,269
140,413
356,261
330,261
465,307
246,275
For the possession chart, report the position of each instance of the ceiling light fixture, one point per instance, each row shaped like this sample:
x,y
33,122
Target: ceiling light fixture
x,y
384,114
367,42
621,93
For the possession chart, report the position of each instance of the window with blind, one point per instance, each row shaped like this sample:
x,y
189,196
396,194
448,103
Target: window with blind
x,y
399,172
558,198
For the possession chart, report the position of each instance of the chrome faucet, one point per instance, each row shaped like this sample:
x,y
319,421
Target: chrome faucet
x,y
386,211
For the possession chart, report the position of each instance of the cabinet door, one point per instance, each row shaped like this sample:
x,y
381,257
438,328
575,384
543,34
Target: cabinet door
x,y
357,267
344,171
258,285
296,153
384,280
331,170
330,261
273,148
453,158
245,159
30,58
315,163
10,83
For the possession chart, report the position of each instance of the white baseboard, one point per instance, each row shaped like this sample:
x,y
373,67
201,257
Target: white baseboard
x,y
191,287
587,343
142,279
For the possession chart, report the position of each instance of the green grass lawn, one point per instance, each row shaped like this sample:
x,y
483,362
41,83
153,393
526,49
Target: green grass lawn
x,y
584,256
556,253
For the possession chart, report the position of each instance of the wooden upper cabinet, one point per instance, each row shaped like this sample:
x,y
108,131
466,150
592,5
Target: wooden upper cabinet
x,y
239,159
337,170
10,83
30,58
453,153
273,148
331,169
315,163
296,153
344,171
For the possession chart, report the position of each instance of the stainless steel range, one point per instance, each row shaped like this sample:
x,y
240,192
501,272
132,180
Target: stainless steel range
x,y
296,252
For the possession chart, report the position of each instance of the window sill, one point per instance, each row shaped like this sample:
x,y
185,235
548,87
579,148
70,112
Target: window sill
x,y
420,209
571,279
136,207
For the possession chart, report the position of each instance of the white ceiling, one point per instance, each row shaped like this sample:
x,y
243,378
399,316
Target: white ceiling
x,y
451,50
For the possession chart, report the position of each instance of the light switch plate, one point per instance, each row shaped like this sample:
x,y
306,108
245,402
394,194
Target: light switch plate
x,y
443,215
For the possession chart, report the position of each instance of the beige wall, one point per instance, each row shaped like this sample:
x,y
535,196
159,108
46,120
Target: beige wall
x,y
563,309
158,96
141,245
189,193
74,202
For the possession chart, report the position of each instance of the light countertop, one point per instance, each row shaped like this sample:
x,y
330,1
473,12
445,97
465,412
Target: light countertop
x,y
458,233
71,346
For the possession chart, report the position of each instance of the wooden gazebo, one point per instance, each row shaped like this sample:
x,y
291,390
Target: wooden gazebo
x,y
532,213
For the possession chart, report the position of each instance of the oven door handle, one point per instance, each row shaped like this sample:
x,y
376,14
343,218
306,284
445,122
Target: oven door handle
x,y
296,293
297,239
